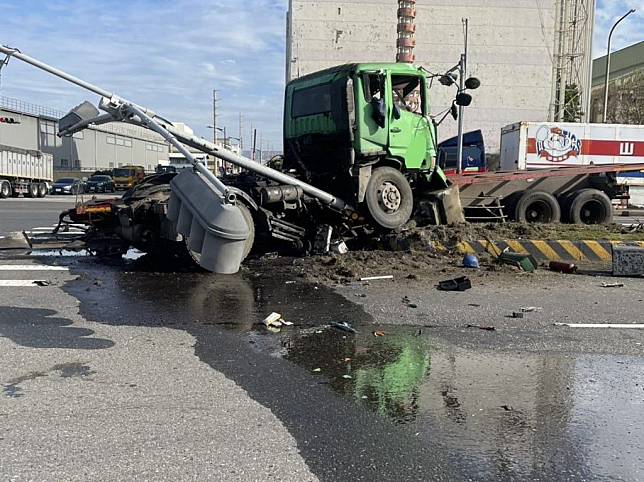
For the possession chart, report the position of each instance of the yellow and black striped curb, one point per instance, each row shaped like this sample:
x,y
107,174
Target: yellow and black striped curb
x,y
544,249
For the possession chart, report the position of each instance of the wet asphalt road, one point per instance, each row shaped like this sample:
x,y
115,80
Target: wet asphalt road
x,y
23,214
169,375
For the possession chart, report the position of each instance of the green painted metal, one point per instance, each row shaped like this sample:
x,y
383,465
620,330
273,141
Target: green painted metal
x,y
311,108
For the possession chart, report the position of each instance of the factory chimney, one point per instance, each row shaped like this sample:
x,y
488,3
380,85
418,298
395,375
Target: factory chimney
x,y
406,31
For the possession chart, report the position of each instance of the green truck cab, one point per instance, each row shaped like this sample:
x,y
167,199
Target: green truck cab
x,y
363,132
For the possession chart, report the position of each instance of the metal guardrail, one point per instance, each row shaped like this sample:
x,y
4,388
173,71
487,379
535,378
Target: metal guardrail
x,y
29,108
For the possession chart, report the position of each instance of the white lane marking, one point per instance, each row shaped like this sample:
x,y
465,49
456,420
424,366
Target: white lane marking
x,y
19,282
602,325
32,267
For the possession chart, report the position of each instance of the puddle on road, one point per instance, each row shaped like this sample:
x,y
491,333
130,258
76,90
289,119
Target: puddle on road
x,y
502,415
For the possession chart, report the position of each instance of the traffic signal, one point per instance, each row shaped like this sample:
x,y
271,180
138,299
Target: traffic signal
x,y
9,120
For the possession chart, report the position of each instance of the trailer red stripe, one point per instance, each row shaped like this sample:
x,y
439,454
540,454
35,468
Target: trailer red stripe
x,y
593,147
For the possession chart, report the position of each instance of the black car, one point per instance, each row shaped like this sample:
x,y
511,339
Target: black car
x,y
99,184
66,185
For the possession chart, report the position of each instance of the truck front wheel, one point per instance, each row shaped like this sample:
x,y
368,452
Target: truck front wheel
x,y
389,198
590,206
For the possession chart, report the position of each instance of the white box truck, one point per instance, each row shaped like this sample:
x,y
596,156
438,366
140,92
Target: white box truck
x,y
545,145
24,172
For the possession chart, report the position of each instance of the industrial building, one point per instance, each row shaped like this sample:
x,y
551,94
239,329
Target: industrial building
x,y
96,148
533,57
625,89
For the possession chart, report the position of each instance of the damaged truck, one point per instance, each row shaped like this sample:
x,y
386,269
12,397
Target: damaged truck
x,y
359,158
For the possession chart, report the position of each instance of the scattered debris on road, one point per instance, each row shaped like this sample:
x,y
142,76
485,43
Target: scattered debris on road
x,y
530,309
562,267
517,314
344,326
482,327
524,262
274,320
378,333
462,283
375,278
612,285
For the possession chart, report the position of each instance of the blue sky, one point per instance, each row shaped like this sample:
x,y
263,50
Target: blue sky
x,y
170,54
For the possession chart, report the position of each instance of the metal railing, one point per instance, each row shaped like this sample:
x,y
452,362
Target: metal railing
x,y
27,108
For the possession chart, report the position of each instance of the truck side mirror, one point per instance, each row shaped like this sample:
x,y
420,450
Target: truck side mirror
x,y
379,111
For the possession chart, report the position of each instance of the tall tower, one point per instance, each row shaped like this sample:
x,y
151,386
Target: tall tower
x,y
406,31
572,60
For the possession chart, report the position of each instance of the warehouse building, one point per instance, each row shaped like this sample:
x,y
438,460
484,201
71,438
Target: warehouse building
x,y
625,89
528,54
96,148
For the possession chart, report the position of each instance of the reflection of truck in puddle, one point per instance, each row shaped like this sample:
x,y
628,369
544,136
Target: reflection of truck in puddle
x,y
386,374
126,177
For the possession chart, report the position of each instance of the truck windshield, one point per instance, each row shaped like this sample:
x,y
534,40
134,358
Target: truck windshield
x,y
123,172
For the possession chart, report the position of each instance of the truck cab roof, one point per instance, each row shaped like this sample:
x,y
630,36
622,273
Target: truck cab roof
x,y
352,68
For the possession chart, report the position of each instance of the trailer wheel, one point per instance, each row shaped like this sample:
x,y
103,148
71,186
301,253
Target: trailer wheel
x,y
389,198
537,207
32,190
5,190
590,206
42,189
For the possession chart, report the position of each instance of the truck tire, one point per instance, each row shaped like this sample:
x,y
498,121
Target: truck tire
x,y
537,207
5,190
590,206
32,190
42,189
389,198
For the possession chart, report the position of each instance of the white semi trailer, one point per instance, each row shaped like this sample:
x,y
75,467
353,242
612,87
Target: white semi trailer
x,y
24,172
546,145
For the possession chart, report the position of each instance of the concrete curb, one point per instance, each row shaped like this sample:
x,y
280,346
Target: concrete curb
x,y
545,249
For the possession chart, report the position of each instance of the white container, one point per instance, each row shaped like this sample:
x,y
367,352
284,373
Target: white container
x,y
541,145
23,164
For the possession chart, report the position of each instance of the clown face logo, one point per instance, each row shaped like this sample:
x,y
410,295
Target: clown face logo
x,y
556,145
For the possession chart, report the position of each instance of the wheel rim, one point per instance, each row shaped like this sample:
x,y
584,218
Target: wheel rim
x,y
389,197
592,212
539,212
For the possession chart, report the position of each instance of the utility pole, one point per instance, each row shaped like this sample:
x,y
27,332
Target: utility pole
x,y
241,137
214,116
254,142
606,78
461,109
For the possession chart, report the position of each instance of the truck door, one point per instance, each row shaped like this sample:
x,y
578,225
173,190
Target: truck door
x,y
409,131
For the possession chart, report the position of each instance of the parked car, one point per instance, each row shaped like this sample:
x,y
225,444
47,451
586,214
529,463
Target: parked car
x,y
99,184
67,185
